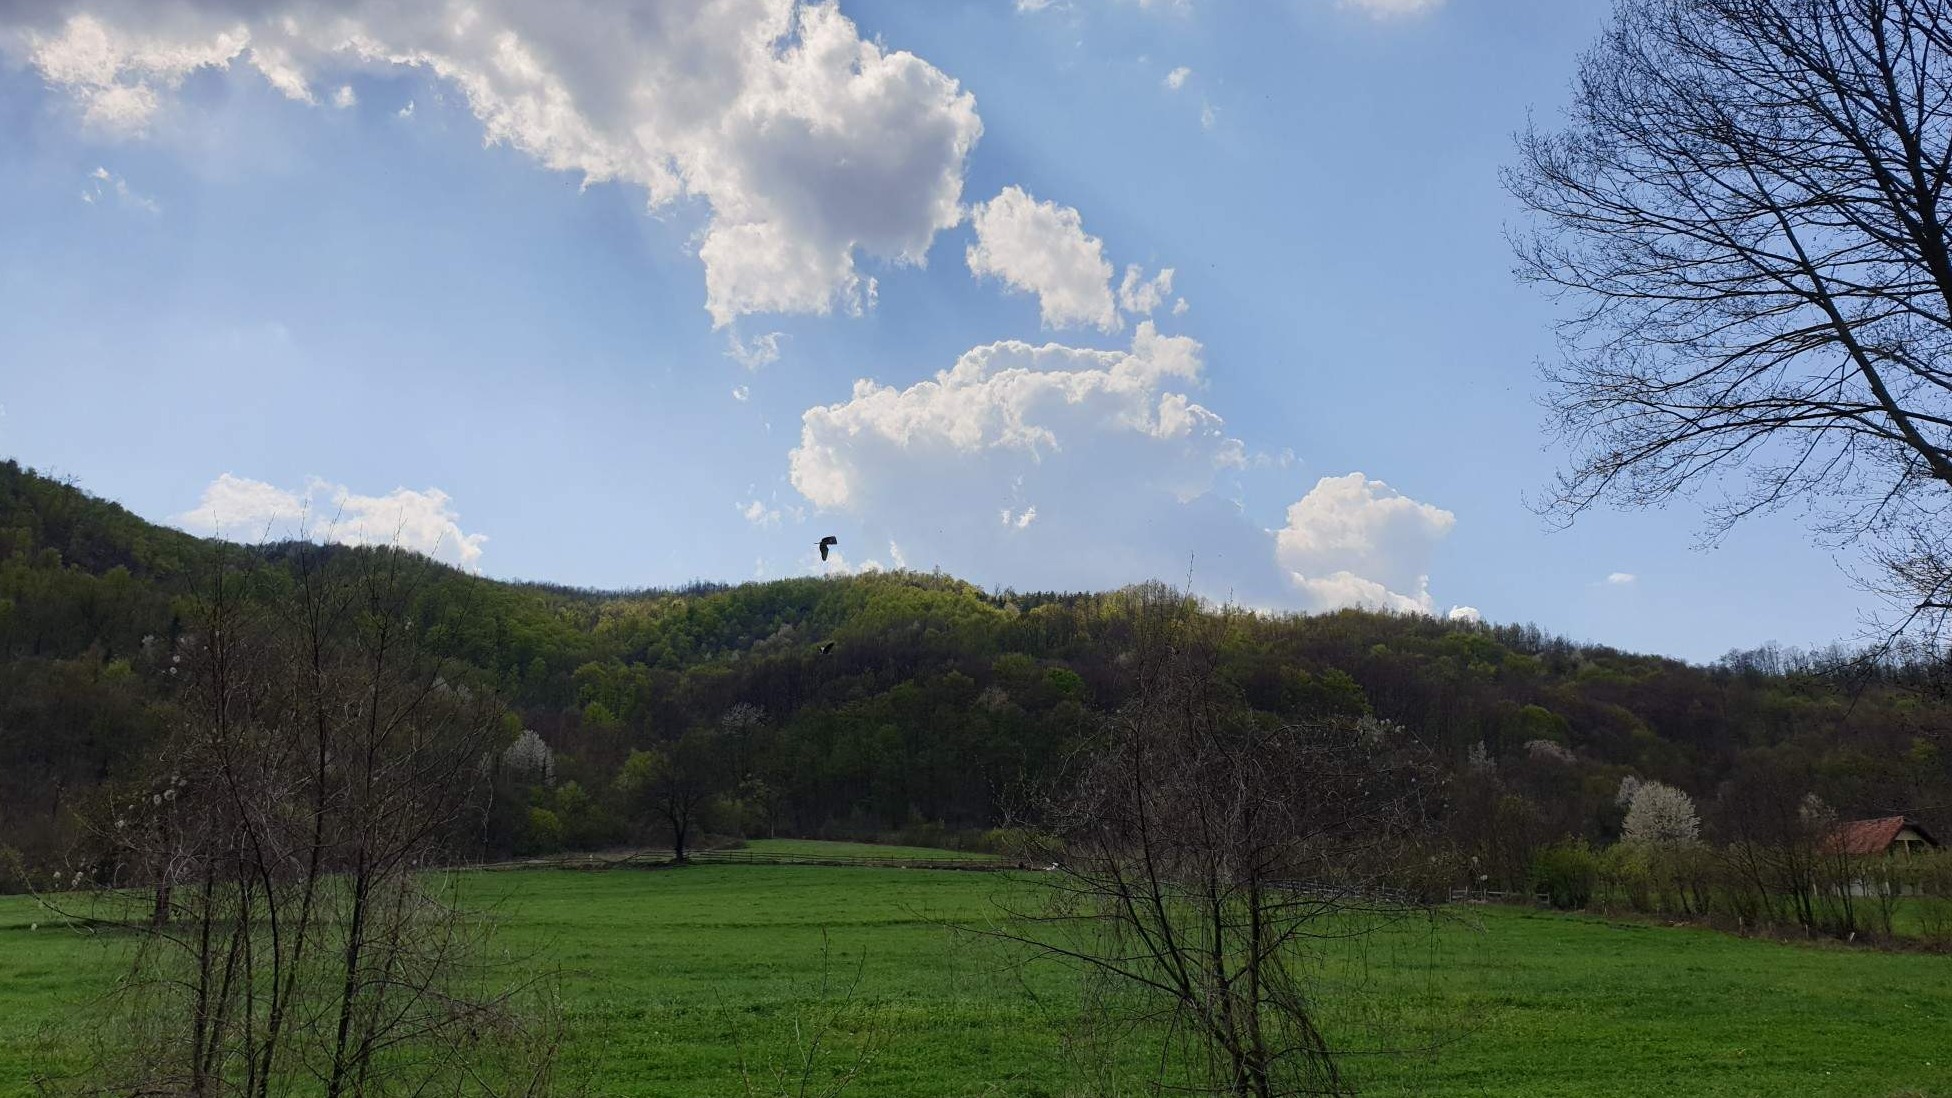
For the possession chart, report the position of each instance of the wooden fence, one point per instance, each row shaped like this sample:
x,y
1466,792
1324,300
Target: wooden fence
x,y
647,859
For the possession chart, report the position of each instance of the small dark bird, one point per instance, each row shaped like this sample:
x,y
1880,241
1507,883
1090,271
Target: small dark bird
x,y
827,543
826,647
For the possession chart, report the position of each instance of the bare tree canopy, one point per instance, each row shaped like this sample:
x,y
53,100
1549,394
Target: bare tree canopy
x,y
1203,859
1747,209
300,938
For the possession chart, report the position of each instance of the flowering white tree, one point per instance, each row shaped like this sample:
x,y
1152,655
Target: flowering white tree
x,y
743,717
1660,813
1818,817
530,756
1548,750
1629,785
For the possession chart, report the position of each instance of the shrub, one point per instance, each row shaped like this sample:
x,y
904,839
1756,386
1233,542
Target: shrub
x,y
1626,875
542,833
1932,880
1566,873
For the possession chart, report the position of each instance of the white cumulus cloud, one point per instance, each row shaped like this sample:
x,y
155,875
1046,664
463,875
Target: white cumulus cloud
x,y
809,146
345,98
1620,579
1353,541
1176,79
1047,465
119,76
1464,613
1063,467
1042,248
241,509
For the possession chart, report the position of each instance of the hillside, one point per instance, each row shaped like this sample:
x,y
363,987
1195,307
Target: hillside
x,y
936,699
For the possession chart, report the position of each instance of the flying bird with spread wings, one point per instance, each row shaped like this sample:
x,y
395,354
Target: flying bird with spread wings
x,y
827,543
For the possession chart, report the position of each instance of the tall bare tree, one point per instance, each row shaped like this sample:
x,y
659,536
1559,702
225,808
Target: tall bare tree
x,y
300,938
1207,863
1747,211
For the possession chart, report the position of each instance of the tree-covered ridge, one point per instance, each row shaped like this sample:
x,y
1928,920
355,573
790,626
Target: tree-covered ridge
x,y
933,700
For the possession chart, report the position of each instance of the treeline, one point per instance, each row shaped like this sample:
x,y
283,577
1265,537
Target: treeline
x,y
1799,880
917,704
1774,862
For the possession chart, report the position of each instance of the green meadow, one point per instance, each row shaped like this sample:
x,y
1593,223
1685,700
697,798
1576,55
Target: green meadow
x,y
704,981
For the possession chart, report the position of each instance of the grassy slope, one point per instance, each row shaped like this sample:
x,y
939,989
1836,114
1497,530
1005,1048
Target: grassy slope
x,y
662,968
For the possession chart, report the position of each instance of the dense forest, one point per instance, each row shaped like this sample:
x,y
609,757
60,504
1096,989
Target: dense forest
x,y
915,705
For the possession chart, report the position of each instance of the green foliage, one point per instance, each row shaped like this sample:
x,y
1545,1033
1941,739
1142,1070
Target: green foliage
x,y
1625,874
543,833
1566,873
1536,722
938,702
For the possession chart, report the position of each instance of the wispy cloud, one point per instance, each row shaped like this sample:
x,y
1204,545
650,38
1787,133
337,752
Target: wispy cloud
x,y
760,350
104,186
1393,9
760,515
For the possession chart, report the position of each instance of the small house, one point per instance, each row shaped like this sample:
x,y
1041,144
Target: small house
x,y
1877,838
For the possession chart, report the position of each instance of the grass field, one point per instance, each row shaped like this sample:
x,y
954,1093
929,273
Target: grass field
x,y
814,848
671,976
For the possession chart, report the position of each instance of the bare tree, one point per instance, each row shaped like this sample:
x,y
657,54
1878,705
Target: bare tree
x,y
300,938
1747,210
1204,861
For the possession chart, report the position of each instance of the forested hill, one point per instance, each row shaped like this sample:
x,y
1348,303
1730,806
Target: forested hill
x,y
935,698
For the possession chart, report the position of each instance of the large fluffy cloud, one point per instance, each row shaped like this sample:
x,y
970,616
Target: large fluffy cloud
x,y
1030,408
1058,466
247,510
1048,465
1042,248
810,145
1353,541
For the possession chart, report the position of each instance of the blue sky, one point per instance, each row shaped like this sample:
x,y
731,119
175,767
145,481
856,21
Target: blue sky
x,y
453,274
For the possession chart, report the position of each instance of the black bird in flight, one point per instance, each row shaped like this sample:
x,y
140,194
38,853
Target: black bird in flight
x,y
827,543
826,647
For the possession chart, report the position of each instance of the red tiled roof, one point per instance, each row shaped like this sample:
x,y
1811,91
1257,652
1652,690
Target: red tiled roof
x,y
1867,837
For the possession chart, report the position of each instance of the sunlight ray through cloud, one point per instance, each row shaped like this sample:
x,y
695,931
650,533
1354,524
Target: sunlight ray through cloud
x,y
810,146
